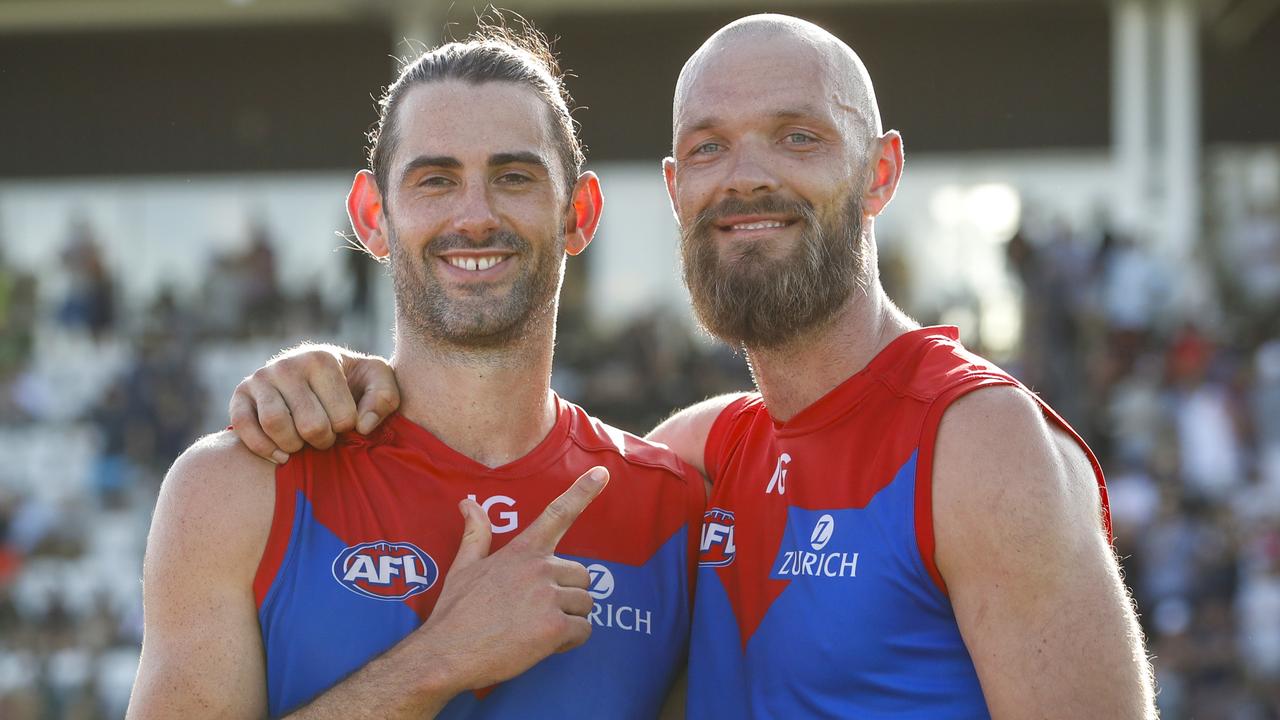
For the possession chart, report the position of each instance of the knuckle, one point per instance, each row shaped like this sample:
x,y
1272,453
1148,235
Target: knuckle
x,y
313,429
274,420
389,399
305,361
556,511
559,627
239,412
582,602
344,420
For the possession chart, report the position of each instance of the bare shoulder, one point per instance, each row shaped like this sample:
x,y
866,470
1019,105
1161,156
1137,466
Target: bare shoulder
x,y
999,463
1029,570
202,646
217,495
686,430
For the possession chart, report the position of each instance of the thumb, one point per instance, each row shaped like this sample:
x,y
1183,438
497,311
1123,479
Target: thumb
x,y
476,534
373,383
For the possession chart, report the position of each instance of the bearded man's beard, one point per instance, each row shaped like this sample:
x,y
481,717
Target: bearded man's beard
x,y
752,300
483,318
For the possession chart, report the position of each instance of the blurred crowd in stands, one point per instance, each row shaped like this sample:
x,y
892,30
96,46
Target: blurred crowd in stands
x,y
1181,405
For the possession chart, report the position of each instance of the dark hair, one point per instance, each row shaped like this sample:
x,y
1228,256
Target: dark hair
x,y
496,52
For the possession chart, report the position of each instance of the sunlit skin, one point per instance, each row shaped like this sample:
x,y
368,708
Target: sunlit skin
x,y
774,107
475,160
792,113
475,177
474,164
787,144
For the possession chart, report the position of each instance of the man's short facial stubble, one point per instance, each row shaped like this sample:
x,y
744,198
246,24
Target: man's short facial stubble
x,y
487,319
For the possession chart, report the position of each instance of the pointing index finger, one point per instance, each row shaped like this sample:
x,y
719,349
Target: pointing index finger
x,y
554,522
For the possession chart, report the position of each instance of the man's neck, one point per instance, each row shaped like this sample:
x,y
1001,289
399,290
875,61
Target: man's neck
x,y
795,376
493,406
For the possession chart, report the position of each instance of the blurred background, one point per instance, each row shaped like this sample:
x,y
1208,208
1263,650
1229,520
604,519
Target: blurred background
x,y
1092,195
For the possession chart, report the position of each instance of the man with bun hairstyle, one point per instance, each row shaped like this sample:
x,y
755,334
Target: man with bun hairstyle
x,y
344,583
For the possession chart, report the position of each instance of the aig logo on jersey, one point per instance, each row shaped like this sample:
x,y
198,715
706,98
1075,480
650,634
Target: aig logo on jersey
x,y
611,615
717,549
815,562
385,570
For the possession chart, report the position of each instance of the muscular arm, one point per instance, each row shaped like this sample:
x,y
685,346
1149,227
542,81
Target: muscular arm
x,y
686,431
1034,583
307,394
202,653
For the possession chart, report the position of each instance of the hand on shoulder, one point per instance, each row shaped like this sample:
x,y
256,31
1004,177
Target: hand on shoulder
x,y
307,395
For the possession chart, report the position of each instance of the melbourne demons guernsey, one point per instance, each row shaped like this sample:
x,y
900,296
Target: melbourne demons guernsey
x,y
817,590
364,534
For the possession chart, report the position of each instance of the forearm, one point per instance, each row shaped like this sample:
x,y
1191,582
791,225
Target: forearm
x,y
390,687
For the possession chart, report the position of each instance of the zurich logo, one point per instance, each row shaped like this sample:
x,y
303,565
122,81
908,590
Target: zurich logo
x,y
601,581
385,570
717,548
822,532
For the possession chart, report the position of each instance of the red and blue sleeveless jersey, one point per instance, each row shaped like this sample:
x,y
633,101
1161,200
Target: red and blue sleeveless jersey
x,y
364,534
817,590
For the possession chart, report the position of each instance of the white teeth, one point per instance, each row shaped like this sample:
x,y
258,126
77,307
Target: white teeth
x,y
759,225
470,263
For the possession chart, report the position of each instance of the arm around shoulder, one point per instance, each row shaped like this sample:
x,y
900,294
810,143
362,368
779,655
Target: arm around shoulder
x,y
202,651
686,431
1031,574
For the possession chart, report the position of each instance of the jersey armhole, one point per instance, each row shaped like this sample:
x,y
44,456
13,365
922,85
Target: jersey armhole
x,y
696,502
1059,422
925,541
282,526
718,437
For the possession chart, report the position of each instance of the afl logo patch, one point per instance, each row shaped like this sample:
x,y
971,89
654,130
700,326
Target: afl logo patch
x,y
717,548
385,570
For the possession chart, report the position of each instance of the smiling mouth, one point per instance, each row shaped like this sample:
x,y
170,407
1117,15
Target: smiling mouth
x,y
475,264
771,224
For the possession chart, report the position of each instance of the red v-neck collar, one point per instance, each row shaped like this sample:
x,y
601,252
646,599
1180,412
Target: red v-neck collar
x,y
845,396
410,435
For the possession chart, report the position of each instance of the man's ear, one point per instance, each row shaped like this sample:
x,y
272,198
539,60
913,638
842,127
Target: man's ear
x,y
364,208
583,216
886,171
669,174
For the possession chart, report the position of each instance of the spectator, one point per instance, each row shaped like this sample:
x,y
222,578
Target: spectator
x,y
90,302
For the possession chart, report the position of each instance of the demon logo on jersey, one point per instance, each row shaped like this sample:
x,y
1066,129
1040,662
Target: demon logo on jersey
x,y
385,570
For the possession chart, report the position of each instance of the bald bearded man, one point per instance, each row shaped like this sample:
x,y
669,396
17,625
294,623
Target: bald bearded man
x,y
897,528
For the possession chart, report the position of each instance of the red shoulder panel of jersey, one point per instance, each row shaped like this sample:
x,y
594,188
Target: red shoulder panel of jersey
x,y
728,430
277,538
592,435
645,461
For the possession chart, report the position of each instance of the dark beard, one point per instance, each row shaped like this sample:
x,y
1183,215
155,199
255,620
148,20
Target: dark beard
x,y
754,301
474,322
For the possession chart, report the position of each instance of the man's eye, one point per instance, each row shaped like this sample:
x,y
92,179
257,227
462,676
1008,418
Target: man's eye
x,y
707,148
436,180
798,138
513,178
